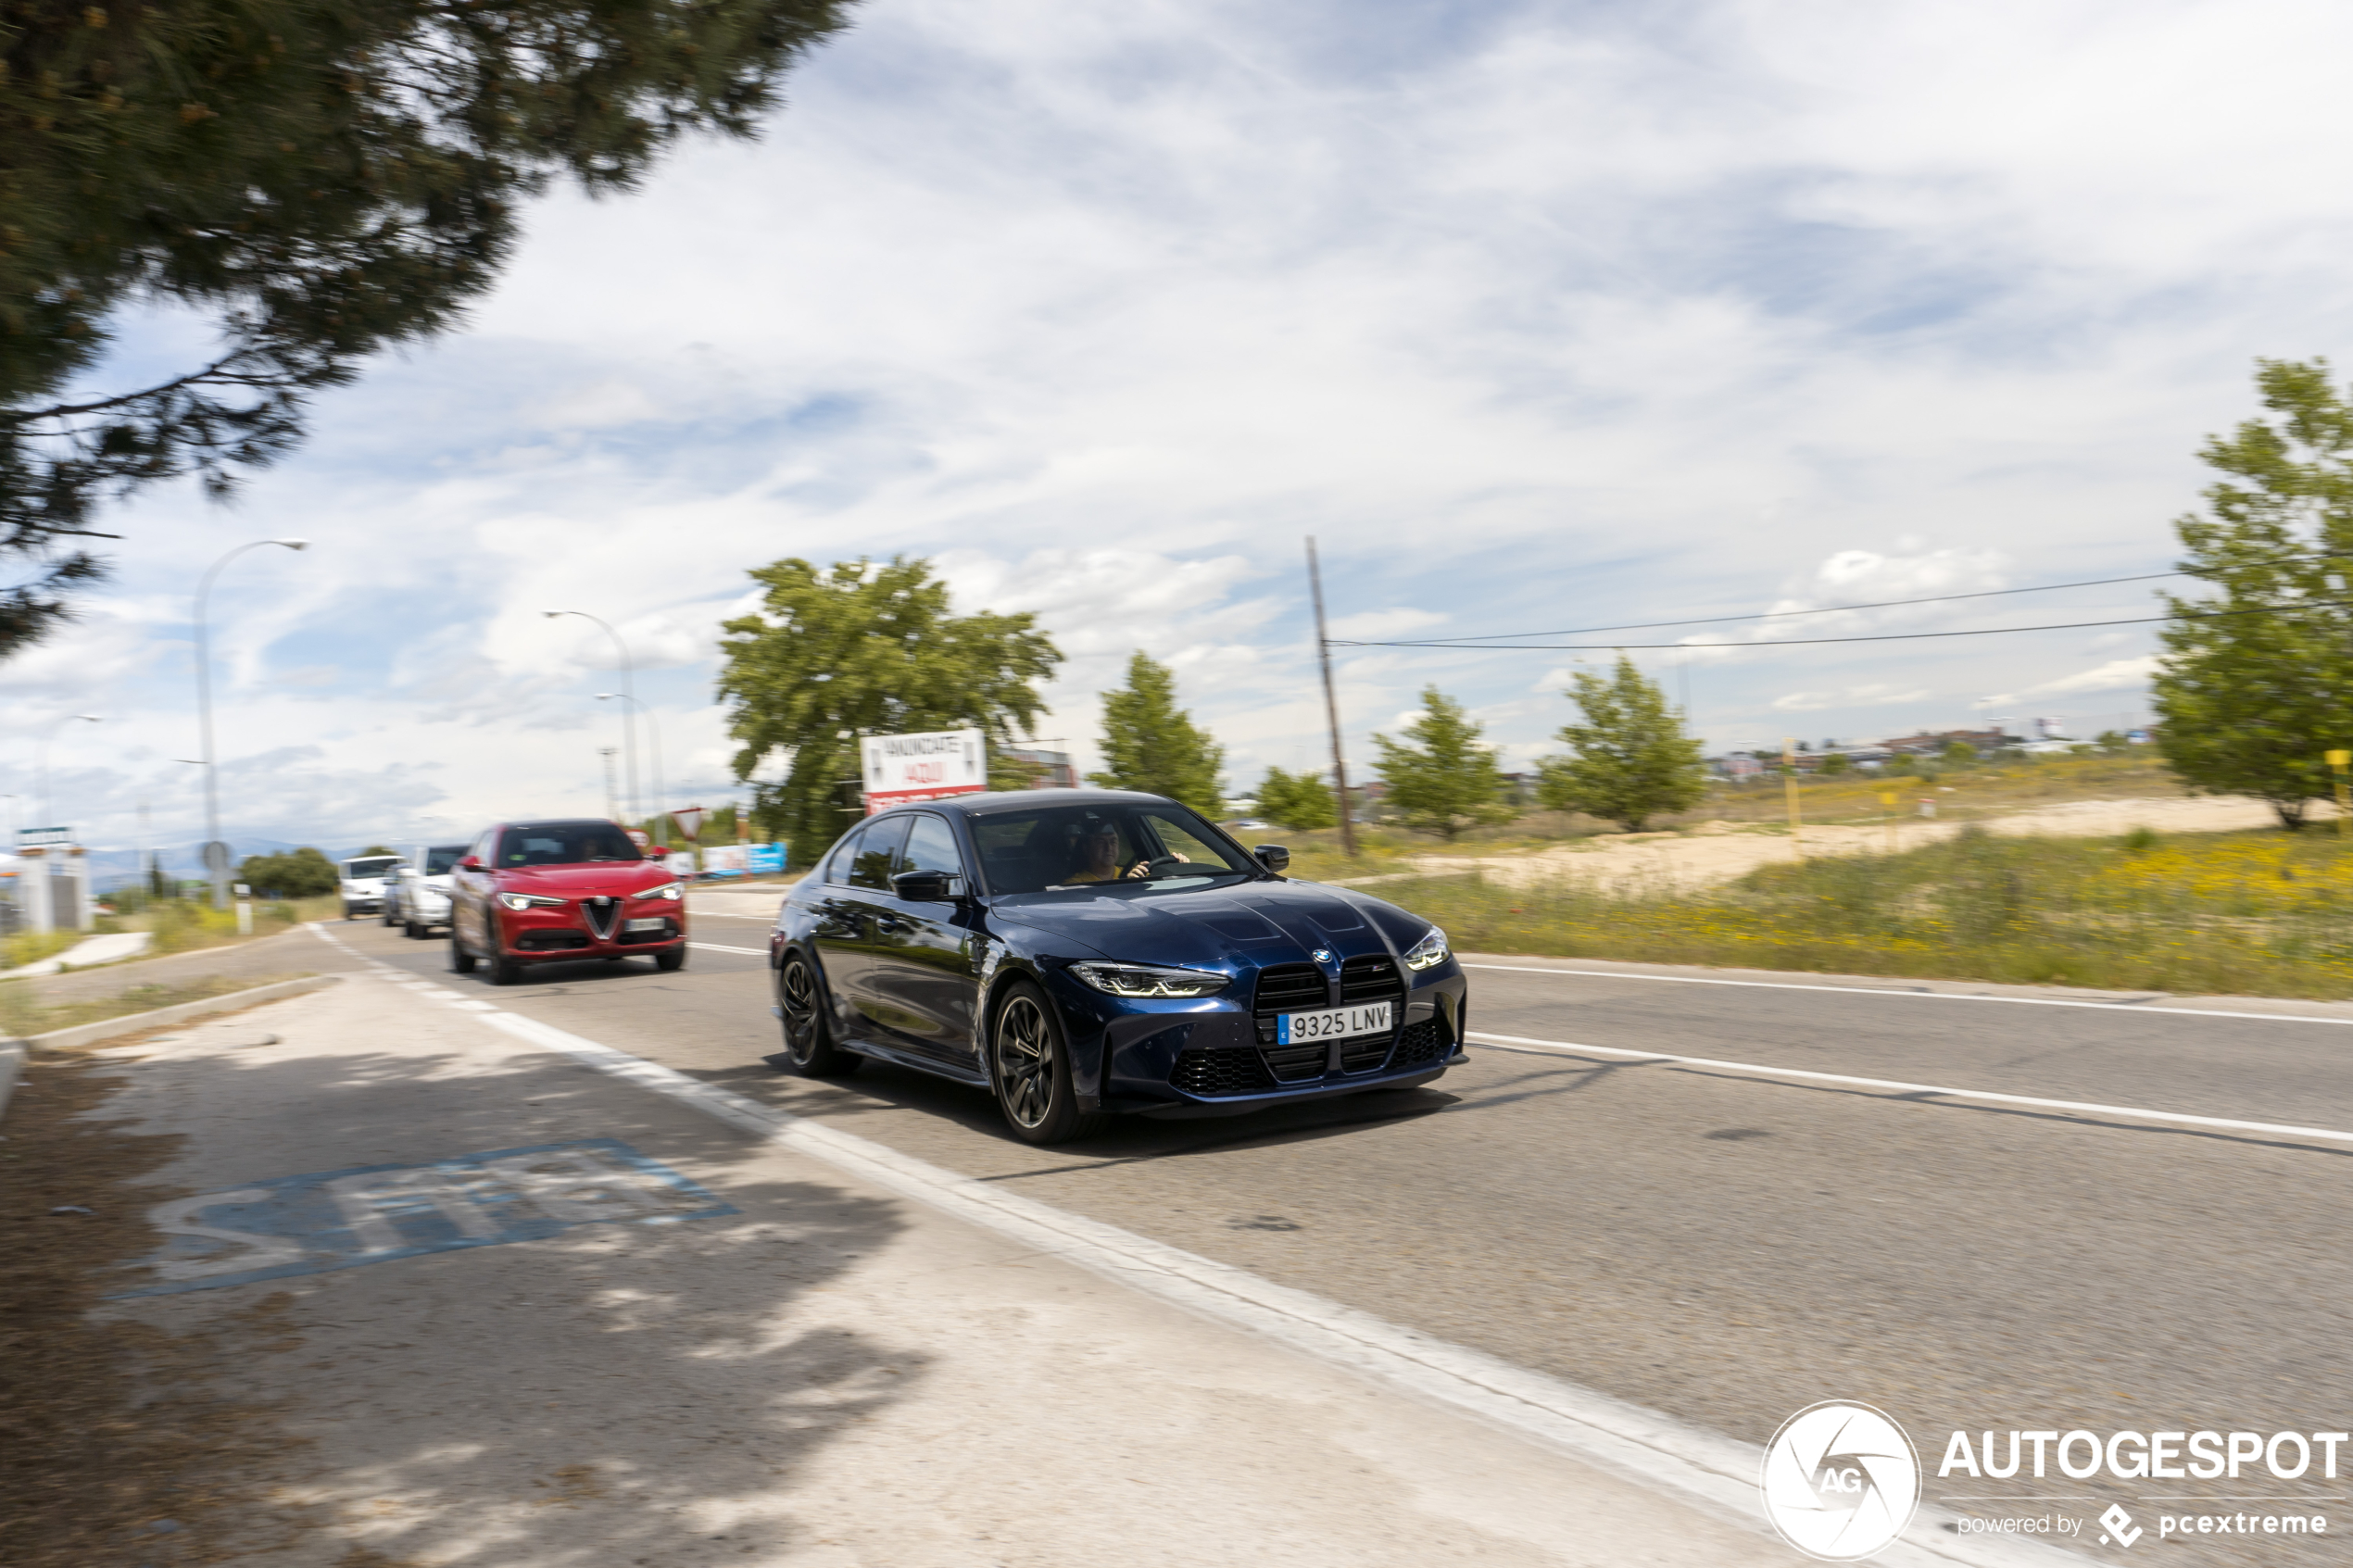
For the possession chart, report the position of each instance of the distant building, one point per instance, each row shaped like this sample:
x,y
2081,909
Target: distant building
x,y
1927,743
1049,769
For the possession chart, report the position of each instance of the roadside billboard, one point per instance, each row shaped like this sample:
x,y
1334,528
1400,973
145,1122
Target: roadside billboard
x,y
727,860
766,859
926,767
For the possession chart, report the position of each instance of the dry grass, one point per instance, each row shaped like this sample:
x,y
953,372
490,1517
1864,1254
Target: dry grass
x,y
22,1015
1963,794
2261,914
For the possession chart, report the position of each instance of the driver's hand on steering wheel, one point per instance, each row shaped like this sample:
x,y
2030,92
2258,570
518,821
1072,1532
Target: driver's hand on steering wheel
x,y
1144,868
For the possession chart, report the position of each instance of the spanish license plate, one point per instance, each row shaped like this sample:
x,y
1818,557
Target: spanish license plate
x,y
655,924
1300,1028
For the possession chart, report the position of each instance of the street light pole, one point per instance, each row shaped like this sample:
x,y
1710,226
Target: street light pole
x,y
48,807
654,728
629,690
204,708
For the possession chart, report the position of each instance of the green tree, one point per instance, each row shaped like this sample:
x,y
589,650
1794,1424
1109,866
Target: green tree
x,y
1834,762
305,873
1629,760
320,179
1439,778
1301,801
1150,744
2254,684
1959,753
861,649
376,850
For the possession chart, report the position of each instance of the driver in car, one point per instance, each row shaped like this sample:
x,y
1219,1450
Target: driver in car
x,y
1098,852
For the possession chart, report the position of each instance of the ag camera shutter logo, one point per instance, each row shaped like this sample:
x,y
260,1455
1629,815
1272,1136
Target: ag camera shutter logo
x,y
1841,1481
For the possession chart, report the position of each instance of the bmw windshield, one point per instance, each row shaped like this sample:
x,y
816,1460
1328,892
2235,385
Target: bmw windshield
x,y
1058,847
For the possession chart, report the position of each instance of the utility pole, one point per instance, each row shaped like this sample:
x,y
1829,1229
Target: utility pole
x,y
612,807
1788,779
1331,704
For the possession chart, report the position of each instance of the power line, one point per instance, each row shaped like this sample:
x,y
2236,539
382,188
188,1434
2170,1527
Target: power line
x,y
1840,609
1785,614
1811,642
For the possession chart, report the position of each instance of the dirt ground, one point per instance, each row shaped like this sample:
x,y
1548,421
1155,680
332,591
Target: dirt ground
x,y
1720,851
113,1442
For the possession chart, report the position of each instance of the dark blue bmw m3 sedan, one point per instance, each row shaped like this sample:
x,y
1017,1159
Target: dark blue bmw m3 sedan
x,y
1080,953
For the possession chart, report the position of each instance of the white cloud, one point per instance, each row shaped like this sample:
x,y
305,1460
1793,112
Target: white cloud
x,y
1873,696
2117,674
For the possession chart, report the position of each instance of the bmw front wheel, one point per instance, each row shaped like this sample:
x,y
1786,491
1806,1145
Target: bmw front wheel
x,y
1029,1066
809,1039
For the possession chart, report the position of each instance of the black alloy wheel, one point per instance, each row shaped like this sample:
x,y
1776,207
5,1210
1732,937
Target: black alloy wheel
x,y
462,958
412,931
1029,1065
809,1039
670,960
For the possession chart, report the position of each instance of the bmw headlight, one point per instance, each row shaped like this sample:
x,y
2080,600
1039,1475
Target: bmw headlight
x,y
1148,980
529,901
1428,953
667,890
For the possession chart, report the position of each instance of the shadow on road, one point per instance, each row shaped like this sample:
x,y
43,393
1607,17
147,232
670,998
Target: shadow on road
x,y
617,1393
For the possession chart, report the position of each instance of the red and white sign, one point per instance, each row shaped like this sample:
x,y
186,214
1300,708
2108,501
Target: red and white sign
x,y
926,767
689,820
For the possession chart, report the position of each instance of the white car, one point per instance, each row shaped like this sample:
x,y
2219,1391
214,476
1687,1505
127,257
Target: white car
x,y
420,896
363,884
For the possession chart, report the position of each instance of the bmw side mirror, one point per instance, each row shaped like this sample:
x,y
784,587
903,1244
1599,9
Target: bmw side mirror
x,y
927,888
471,863
1274,857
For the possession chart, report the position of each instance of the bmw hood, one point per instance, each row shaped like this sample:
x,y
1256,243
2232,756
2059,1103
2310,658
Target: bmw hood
x,y
1249,925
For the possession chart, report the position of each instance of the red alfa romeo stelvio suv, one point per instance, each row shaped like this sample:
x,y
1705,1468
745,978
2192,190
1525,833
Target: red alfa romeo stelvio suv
x,y
534,892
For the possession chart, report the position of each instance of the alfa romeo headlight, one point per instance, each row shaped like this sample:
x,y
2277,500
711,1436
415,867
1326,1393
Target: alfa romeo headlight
x,y
1147,980
667,890
1428,953
529,901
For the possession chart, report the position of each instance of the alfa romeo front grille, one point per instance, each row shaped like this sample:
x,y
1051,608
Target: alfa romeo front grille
x,y
601,912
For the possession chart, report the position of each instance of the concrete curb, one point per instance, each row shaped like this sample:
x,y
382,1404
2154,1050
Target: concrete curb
x,y
13,1052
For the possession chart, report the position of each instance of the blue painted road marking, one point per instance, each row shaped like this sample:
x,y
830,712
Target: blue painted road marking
x,y
374,1214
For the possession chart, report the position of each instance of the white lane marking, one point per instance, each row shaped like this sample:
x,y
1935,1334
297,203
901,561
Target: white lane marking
x,y
1909,996
2138,1113
722,915
1689,1463
716,947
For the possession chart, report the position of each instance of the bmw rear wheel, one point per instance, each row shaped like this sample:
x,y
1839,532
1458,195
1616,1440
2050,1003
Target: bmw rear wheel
x,y
809,1040
1029,1065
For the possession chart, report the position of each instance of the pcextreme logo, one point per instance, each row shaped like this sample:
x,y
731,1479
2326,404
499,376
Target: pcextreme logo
x,y
1841,1481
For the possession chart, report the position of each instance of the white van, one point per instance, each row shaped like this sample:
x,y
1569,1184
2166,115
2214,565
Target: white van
x,y
363,884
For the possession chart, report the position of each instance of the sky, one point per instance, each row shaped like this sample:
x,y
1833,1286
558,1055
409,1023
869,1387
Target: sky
x,y
1535,317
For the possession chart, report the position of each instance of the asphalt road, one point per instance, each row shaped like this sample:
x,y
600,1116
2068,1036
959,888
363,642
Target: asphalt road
x,y
1718,1245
